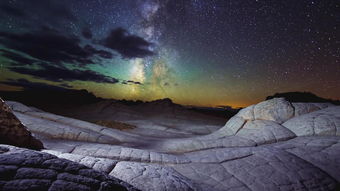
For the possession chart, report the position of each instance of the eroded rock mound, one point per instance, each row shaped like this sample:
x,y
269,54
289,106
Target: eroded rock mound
x,y
303,163
278,120
322,122
13,132
273,145
22,169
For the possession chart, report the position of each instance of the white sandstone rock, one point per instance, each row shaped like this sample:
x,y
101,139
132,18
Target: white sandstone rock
x,y
321,122
151,177
303,108
264,132
247,113
238,156
16,106
277,109
231,127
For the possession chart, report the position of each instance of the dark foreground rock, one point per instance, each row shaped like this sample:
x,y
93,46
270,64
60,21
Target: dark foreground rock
x,y
22,169
13,132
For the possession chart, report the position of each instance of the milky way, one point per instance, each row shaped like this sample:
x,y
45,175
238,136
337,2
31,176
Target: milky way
x,y
196,52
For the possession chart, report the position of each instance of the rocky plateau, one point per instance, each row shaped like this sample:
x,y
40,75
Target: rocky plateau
x,y
272,145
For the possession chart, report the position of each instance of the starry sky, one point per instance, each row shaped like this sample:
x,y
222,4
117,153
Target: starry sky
x,y
196,52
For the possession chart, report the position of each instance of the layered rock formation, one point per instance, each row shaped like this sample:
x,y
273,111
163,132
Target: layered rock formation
x,y
273,145
13,132
22,169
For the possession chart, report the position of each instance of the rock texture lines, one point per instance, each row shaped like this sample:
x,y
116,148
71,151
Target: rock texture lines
x,y
273,145
13,132
22,169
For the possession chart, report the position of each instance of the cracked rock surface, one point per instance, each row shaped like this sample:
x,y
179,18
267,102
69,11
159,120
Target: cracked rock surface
x,y
22,169
272,145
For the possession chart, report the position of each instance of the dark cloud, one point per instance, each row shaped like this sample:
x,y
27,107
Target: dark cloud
x,y
53,47
61,74
129,46
50,46
101,53
87,33
16,58
132,82
32,85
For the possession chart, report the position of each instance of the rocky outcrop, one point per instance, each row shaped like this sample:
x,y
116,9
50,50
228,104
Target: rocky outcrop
x,y
322,122
13,132
278,110
303,163
303,97
152,177
277,120
22,169
273,145
59,127
255,125
55,126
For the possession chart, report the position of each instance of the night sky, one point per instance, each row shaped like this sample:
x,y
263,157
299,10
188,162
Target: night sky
x,y
196,52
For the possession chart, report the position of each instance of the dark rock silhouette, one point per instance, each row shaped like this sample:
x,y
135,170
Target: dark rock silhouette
x,y
13,132
57,99
50,98
305,97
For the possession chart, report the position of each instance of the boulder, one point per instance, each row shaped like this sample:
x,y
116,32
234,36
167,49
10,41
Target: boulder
x,y
277,109
13,132
23,169
247,113
264,132
322,122
230,128
276,120
304,108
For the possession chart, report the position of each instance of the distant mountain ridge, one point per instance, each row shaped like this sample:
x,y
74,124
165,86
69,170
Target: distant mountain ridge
x,y
43,98
61,99
303,97
52,100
